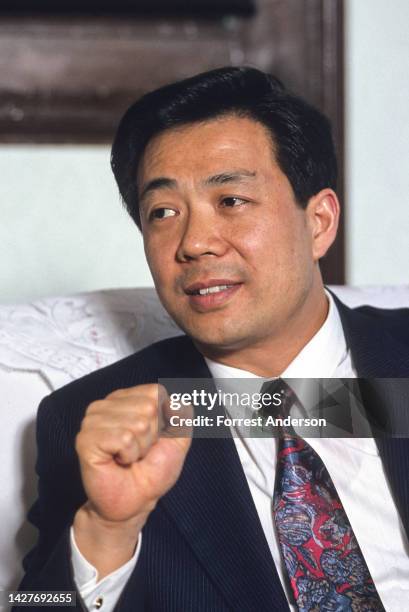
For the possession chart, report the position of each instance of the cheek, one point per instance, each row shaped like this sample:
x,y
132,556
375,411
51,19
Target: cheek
x,y
251,239
263,246
279,252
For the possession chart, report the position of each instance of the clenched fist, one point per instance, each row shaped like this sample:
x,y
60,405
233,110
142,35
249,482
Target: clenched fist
x,y
127,463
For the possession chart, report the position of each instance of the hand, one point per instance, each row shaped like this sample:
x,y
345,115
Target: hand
x,y
127,463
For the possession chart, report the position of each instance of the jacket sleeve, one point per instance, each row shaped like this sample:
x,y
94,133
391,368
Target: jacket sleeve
x,y
60,493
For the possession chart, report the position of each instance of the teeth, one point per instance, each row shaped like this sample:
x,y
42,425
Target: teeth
x,y
215,289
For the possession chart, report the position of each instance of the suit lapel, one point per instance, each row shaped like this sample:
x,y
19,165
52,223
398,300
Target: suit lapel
x,y
376,353
382,363
213,509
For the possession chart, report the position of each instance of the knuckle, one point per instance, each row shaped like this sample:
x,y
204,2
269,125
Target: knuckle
x,y
95,406
162,394
127,437
142,425
117,394
79,443
161,389
150,409
88,422
152,390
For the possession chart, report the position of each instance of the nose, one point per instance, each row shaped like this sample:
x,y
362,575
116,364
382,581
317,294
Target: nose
x,y
201,236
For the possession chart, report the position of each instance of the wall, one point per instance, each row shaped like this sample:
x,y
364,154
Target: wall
x,y
63,229
377,131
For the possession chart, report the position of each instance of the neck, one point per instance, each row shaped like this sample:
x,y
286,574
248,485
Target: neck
x,y
270,356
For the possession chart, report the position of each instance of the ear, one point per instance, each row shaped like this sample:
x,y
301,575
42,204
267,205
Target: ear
x,y
323,212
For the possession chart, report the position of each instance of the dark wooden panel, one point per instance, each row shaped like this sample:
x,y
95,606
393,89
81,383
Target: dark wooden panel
x,y
135,7
332,102
70,79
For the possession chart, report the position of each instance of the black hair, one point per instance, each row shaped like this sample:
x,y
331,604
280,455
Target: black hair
x,y
301,135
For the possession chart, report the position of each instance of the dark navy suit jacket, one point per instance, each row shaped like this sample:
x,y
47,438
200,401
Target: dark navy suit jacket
x,y
203,546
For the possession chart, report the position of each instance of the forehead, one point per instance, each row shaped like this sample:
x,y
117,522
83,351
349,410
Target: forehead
x,y
206,147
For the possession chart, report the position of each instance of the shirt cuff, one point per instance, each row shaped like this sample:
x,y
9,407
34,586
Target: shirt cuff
x,y
105,593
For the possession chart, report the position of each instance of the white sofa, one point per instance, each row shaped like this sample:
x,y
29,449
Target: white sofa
x,y
48,343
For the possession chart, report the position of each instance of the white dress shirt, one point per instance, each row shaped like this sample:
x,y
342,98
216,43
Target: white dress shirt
x,y
355,468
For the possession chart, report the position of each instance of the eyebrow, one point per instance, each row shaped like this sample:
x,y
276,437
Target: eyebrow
x,y
236,176
163,182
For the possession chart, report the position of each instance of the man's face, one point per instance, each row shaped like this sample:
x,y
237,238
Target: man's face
x,y
229,249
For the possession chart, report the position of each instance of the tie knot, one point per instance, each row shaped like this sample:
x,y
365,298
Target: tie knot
x,y
288,398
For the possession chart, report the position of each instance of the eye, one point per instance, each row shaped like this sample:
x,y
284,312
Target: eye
x,y
162,213
233,201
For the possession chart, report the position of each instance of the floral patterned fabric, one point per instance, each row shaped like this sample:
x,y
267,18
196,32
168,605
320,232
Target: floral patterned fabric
x,y
325,565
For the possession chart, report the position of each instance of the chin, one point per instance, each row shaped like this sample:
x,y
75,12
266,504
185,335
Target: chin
x,y
219,340
208,337
220,331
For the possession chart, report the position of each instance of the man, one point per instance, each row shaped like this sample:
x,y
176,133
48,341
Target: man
x,y
231,180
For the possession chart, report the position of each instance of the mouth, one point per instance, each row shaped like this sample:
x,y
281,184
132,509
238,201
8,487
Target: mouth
x,y
204,296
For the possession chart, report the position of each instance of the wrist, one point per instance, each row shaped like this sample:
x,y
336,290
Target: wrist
x,y
107,545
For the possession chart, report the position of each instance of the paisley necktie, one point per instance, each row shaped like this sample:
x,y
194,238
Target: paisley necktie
x,y
326,568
